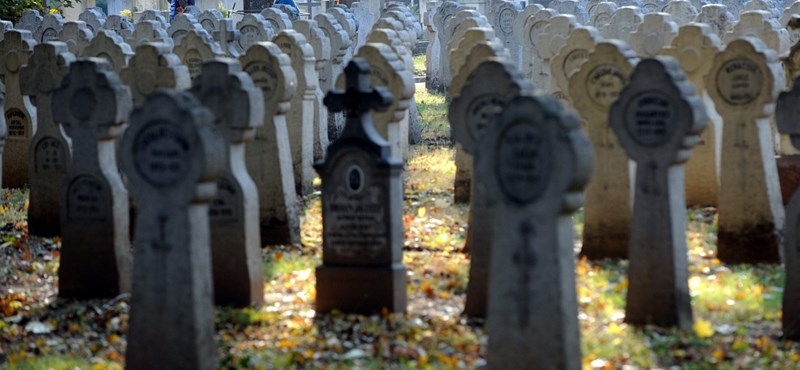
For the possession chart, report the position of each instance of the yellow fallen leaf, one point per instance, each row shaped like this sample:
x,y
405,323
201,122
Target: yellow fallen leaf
x,y
614,329
703,329
719,354
421,212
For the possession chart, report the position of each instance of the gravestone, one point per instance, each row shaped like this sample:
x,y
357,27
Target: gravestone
x,y
432,52
253,28
322,55
349,25
3,127
20,114
453,29
4,27
119,25
277,19
579,43
49,150
462,51
531,61
148,32
300,118
748,78
654,33
93,105
607,209
76,35
193,11
549,41
29,21
502,20
182,24
154,67
269,157
94,19
227,37
681,11
238,109
695,48
196,48
623,23
718,17
600,15
339,45
49,28
170,155
486,93
109,45
657,120
446,11
209,19
365,20
362,200
571,7
762,5
154,16
536,162
758,24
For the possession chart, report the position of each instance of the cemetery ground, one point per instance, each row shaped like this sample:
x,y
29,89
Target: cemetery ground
x,y
736,308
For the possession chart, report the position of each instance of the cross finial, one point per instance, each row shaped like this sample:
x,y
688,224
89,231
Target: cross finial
x,y
358,99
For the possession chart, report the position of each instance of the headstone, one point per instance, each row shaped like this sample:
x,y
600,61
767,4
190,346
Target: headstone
x,y
349,25
718,17
453,29
365,20
748,78
536,162
487,92
4,27
736,7
657,120
695,48
786,22
504,13
362,200
30,21
210,20
277,19
49,149
624,22
607,210
579,44
170,155
182,24
339,45
549,41
786,115
681,11
119,25
94,19
154,67
446,11
322,55
49,28
238,109
196,48
758,24
460,51
531,61
269,157
152,15
76,35
654,33
571,7
432,53
109,45
762,5
193,11
600,15
148,32
93,105
253,28
15,50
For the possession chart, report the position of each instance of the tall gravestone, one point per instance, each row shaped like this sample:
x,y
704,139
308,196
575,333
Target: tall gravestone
x,y
487,92
748,78
535,161
50,152
339,46
658,119
170,155
269,157
238,108
502,19
322,55
607,210
93,106
787,119
15,50
362,207
569,58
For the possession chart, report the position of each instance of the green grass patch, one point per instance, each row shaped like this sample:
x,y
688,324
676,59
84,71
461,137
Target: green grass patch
x,y
419,65
285,262
432,115
51,362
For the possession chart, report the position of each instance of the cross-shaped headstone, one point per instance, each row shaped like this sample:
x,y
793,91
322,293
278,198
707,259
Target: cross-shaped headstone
x,y
15,50
654,33
227,37
154,67
196,48
30,21
49,28
120,25
94,18
77,36
109,45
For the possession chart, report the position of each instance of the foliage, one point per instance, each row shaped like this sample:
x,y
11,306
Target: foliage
x,y
11,10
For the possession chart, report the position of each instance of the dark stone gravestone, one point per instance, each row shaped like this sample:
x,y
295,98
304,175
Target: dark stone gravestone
x,y
15,50
362,207
93,105
170,155
536,163
658,119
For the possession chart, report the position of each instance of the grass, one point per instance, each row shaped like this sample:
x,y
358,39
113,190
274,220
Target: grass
x,y
419,65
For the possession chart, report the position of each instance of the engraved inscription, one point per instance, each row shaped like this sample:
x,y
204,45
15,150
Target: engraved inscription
x,y
87,199
650,118
225,207
604,84
161,154
479,113
194,61
535,30
506,21
249,36
522,163
263,77
18,123
739,81
49,156
573,61
49,34
523,260
178,35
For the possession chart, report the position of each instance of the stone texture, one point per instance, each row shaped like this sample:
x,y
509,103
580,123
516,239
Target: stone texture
x,y
49,29
196,48
154,67
109,46
20,114
253,28
76,35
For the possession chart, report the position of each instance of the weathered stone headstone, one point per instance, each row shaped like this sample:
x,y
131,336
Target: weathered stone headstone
x,y
579,44
758,24
654,33
269,157
349,25
503,15
49,28
446,11
154,16
253,28
535,161
94,19
49,150
322,55
277,19
15,50
487,92
119,25
171,156
549,41
531,65
519,28
718,17
227,37
624,22
196,48
339,45
461,49
607,211
148,32
76,35
193,11
210,20
681,11
600,15
182,24
748,78
238,109
30,21
365,20
154,67
657,120
5,26
93,105
109,45
762,5
571,7
362,202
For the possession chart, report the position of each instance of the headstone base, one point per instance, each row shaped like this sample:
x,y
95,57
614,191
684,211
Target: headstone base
x,y
361,289
749,244
789,174
277,232
605,243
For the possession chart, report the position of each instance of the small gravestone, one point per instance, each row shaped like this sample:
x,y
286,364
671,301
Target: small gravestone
x,y
362,208
253,28
148,32
622,25
607,210
535,161
30,21
15,50
339,46
658,119
94,19
152,15
654,33
322,54
196,48
300,118
210,20
579,44
182,24
227,37
50,151
154,67
717,17
171,157
748,78
269,157
277,19
49,28
238,108
119,25
600,15
109,46
93,106
487,92
76,35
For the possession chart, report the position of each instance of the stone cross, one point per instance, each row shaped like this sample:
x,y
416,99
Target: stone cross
x,y
49,155
748,78
322,55
171,157
109,45
119,25
253,28
607,211
154,67
269,157
238,109
577,46
717,17
94,19
93,105
657,119
487,92
654,33
695,48
15,50
196,48
77,36
361,207
30,21
49,28
535,161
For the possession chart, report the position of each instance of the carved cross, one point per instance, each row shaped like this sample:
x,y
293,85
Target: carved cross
x,y
358,99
